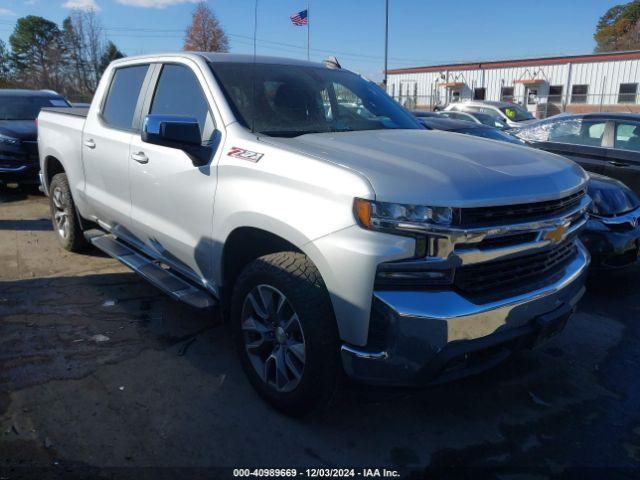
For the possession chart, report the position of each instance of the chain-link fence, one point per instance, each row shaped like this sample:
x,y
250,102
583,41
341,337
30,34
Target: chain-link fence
x,y
542,107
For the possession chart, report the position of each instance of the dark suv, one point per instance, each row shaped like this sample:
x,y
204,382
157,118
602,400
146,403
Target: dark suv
x,y
604,143
19,132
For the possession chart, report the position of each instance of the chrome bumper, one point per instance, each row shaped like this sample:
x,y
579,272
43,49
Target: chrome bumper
x,y
424,328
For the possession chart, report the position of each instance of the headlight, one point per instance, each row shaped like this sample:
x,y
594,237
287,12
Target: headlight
x,y
8,140
400,217
610,197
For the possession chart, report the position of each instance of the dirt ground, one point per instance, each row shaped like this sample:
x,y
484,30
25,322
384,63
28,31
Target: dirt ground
x,y
99,369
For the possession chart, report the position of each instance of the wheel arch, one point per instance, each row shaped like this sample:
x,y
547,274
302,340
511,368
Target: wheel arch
x,y
51,167
245,244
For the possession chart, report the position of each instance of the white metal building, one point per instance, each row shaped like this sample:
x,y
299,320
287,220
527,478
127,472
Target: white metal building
x,y
606,82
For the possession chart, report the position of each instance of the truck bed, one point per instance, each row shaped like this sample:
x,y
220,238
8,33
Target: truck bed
x,y
75,111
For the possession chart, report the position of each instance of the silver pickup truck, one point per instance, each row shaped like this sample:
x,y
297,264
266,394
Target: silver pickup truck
x,y
335,233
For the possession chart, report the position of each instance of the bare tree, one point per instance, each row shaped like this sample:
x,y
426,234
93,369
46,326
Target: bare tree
x,y
205,33
83,34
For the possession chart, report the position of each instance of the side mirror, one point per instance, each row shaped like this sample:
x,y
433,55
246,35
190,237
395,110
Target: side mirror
x,y
182,133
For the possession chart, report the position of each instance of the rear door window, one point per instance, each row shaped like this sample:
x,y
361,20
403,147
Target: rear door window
x,y
122,99
578,132
628,136
179,93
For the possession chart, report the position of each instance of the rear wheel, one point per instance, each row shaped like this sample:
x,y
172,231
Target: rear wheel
x,y
64,216
286,333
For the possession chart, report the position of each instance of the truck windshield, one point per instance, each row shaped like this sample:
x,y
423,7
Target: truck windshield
x,y
26,108
292,100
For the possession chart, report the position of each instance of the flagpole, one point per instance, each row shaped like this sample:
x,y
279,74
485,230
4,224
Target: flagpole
x,y
308,30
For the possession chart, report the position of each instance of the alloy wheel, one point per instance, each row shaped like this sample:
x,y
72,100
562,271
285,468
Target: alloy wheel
x,y
60,213
273,338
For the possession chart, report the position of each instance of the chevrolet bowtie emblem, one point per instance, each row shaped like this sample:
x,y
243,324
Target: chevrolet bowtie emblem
x,y
557,234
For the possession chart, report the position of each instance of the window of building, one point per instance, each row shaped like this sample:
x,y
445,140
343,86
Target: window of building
x,y
628,93
393,90
455,96
506,94
555,93
532,96
479,93
122,99
179,93
579,93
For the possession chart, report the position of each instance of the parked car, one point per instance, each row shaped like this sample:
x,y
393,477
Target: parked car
x,y
512,114
604,143
612,234
613,230
18,132
469,128
330,240
422,114
477,117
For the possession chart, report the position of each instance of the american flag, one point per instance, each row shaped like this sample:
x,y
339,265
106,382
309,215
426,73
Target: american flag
x,y
300,19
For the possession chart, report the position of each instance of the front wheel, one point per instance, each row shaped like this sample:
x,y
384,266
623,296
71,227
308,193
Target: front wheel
x,y
286,332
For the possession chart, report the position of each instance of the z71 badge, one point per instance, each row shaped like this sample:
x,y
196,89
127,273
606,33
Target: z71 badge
x,y
245,154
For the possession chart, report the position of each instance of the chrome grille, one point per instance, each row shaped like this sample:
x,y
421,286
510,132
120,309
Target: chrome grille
x,y
509,214
513,273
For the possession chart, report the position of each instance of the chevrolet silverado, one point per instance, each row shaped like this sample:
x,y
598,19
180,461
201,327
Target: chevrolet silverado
x,y
336,234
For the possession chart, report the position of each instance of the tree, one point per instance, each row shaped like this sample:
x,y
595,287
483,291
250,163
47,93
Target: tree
x,y
83,33
205,33
619,28
38,53
110,54
5,66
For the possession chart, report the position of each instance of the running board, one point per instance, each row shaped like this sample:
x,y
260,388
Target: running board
x,y
152,271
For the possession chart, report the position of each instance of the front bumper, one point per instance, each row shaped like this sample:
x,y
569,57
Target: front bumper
x,y
19,164
23,174
430,336
613,242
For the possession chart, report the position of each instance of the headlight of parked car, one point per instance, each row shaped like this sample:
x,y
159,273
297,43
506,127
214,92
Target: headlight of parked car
x,y
8,140
610,197
399,217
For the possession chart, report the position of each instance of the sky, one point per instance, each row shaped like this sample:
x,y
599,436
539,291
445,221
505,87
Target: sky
x,y
421,32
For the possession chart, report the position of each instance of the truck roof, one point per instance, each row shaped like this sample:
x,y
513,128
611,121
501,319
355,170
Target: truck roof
x,y
215,57
15,92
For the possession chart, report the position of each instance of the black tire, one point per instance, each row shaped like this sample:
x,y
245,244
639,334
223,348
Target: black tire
x,y
69,233
296,277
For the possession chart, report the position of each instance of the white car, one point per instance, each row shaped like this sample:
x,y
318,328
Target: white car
x,y
512,114
343,238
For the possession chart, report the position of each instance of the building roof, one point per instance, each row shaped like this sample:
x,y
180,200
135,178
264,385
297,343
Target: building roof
x,y
525,62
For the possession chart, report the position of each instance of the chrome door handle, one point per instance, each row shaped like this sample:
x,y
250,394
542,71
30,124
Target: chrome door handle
x,y
618,164
139,157
90,143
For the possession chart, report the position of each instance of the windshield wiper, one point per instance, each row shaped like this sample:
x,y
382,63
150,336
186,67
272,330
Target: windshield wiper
x,y
290,133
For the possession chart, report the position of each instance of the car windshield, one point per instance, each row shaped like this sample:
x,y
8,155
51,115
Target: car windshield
x,y
26,108
491,133
292,100
490,120
516,113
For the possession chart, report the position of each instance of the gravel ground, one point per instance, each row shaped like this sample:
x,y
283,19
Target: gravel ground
x,y
99,369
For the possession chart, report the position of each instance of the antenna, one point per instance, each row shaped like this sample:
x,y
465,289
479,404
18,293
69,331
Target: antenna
x,y
253,77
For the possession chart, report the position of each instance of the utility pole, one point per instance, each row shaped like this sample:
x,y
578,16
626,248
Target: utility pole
x,y
386,42
308,30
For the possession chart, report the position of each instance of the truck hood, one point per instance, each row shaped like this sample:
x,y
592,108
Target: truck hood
x,y
443,168
20,129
